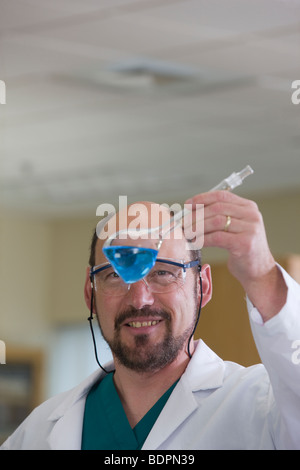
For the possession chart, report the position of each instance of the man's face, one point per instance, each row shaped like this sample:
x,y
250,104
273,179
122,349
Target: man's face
x,y
144,330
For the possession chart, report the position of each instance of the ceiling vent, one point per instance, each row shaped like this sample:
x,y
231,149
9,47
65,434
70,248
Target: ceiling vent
x,y
145,73
153,76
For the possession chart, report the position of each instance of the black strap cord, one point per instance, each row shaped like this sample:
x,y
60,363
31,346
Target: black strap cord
x,y
90,320
199,312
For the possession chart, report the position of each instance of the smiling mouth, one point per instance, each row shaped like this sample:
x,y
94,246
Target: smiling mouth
x,y
138,324
146,318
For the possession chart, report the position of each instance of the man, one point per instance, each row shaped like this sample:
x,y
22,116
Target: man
x,y
165,391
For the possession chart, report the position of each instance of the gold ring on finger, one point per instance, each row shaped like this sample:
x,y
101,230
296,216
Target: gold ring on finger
x,y
228,222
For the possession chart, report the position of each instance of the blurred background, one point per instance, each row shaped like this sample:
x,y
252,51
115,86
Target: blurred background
x,y
153,99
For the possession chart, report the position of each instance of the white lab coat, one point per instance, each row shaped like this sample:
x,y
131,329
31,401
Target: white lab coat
x,y
216,404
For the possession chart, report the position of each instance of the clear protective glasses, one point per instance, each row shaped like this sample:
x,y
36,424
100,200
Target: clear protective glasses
x,y
167,275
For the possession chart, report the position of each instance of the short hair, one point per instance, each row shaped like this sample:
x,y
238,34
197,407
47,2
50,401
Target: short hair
x,y
92,258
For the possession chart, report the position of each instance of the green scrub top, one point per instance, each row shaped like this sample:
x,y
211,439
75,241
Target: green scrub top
x,y
105,424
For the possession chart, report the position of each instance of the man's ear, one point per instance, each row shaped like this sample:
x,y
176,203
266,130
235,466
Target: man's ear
x,y
88,289
206,284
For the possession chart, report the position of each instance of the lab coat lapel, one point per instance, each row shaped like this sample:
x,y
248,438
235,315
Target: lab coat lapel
x,y
205,371
67,418
179,406
67,430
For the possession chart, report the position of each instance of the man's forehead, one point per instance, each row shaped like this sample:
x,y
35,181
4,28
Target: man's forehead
x,y
136,216
144,216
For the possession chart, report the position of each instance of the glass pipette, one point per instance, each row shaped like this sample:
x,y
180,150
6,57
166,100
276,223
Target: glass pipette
x,y
234,180
133,263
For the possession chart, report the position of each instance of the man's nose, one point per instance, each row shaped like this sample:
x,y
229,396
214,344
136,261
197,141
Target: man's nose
x,y
139,295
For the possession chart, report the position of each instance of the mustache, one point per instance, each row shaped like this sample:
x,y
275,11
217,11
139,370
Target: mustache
x,y
133,313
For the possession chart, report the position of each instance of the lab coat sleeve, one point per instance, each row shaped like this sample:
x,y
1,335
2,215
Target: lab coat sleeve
x,y
278,343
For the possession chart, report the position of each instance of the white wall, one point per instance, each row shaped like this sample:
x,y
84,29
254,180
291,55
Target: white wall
x,y
25,280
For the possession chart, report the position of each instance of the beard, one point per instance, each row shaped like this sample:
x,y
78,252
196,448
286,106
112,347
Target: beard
x,y
146,356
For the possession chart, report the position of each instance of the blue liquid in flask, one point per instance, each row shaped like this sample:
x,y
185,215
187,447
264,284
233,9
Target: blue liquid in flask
x,y
131,263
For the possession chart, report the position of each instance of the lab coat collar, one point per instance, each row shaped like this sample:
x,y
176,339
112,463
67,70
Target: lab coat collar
x,y
205,370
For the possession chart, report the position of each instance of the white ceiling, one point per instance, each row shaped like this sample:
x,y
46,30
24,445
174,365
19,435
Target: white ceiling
x,y
76,131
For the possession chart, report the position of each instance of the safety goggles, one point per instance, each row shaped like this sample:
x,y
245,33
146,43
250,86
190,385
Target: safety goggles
x,y
167,275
